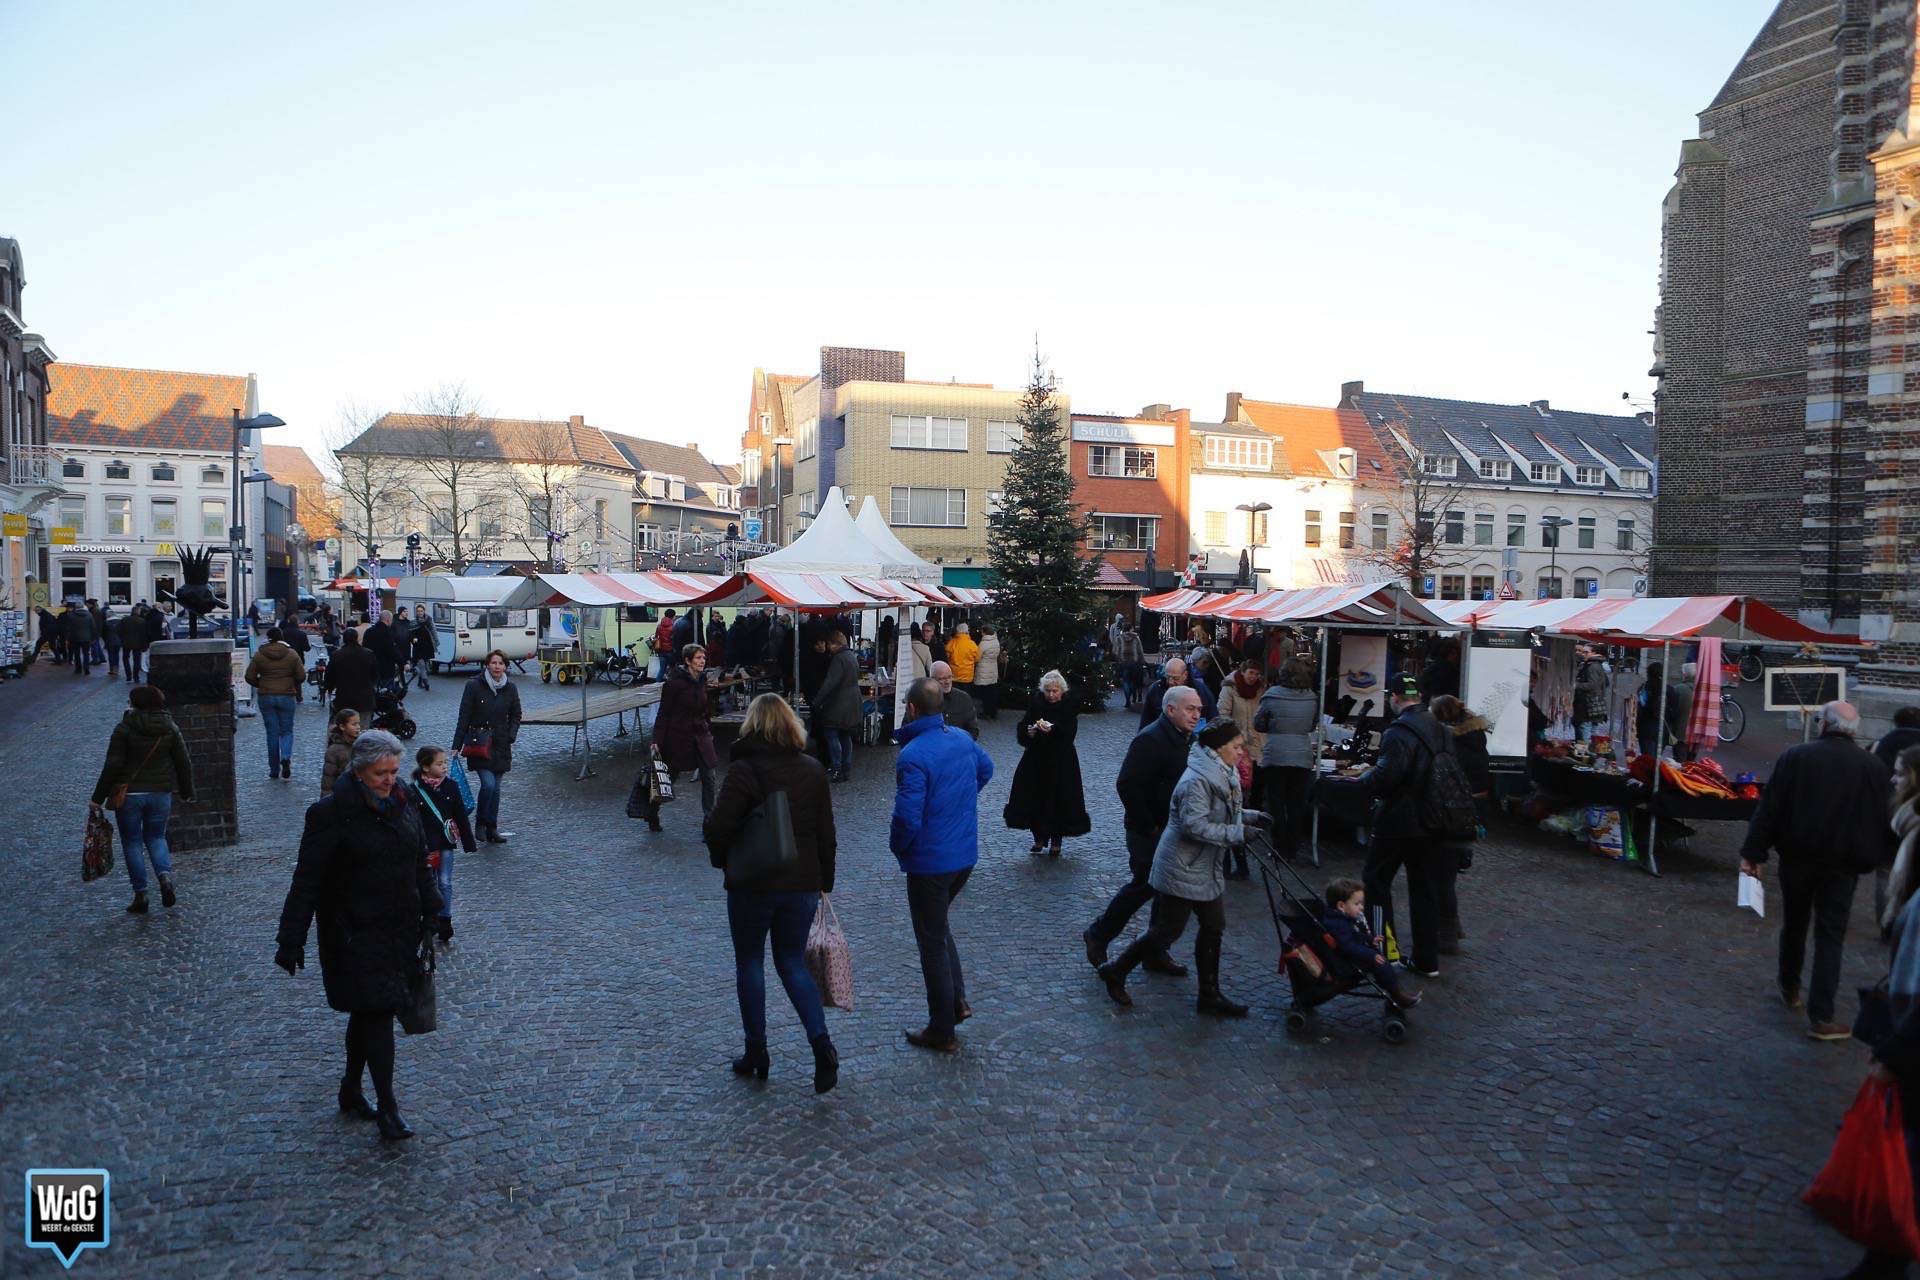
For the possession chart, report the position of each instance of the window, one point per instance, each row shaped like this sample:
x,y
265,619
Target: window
x,y
119,517
1346,530
213,519
750,468
1482,586
166,575
805,502
489,520
1483,528
117,470
1257,528
1551,588
539,516
1216,529
1381,531
1003,437
1454,531
1313,529
73,579
1124,533
73,469
600,519
1496,469
1589,475
213,475
1440,464
163,472
646,537
1586,588
119,582
1544,472
943,508
1623,534
1549,534
928,433
1634,478
1516,528
1585,534
995,501
73,515
1121,461
1453,586
165,521
806,441
1243,452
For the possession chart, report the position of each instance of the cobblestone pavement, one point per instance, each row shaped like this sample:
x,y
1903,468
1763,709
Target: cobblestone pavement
x,y
1604,1086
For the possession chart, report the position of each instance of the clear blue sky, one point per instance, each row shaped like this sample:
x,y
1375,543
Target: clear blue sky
x,y
620,209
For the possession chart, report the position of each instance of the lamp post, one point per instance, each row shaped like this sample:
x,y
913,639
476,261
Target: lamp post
x,y
1254,510
237,529
1550,527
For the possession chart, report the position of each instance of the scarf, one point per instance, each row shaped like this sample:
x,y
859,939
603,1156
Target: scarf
x,y
495,685
391,808
1905,876
1248,686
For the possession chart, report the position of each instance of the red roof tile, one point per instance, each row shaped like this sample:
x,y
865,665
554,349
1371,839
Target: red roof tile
x,y
1307,431
90,404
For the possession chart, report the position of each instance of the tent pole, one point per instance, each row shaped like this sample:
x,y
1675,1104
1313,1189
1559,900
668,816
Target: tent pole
x,y
1319,741
586,738
1659,741
902,644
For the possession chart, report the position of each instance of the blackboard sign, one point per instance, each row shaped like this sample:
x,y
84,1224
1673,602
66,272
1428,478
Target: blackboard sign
x,y
1798,688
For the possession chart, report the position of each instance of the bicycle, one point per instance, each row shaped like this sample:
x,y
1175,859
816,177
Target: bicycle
x,y
1733,718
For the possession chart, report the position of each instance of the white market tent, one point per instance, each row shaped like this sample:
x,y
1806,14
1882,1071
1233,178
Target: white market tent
x,y
900,562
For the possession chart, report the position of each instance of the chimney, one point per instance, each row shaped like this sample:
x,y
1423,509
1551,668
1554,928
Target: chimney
x,y
1233,408
693,446
1348,390
1156,412
1538,406
576,420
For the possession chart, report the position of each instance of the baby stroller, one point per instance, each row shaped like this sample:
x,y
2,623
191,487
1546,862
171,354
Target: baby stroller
x,y
390,708
1315,969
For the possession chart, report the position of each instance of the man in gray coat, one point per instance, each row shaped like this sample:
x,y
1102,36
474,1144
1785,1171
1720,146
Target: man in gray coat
x,y
836,706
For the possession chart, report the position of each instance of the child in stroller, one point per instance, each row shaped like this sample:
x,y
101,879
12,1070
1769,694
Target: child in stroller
x,y
390,708
1345,920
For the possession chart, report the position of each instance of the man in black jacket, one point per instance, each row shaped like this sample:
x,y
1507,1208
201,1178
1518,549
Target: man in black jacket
x,y
379,641
1825,810
1155,759
1398,781
1176,675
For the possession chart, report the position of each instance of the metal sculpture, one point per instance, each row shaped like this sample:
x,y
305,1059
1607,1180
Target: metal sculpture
x,y
196,597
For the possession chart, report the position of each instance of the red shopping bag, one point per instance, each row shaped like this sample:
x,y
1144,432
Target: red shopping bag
x,y
1866,1190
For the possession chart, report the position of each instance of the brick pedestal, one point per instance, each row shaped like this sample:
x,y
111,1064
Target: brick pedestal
x,y
197,677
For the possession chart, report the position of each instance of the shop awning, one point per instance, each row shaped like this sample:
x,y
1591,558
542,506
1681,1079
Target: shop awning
x,y
604,590
1643,620
818,592
1382,604
1108,578
362,584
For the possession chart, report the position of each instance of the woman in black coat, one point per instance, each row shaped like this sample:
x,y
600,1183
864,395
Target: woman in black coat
x,y
350,677
489,709
1046,798
363,870
681,730
768,757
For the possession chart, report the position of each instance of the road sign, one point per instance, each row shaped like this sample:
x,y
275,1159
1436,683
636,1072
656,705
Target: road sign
x,y
1593,588
1639,586
13,524
1507,592
62,535
752,527
1426,585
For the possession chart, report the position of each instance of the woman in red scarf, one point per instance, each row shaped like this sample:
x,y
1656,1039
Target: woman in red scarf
x,y
1238,699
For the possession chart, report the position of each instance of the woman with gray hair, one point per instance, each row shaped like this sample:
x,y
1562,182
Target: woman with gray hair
x,y
1046,798
363,870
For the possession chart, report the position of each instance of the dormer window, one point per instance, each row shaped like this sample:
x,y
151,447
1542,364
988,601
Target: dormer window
x,y
163,472
1635,478
1544,472
1440,464
1345,463
1496,469
1589,475
1240,452
117,470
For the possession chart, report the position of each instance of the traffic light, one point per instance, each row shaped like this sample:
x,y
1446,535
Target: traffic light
x,y
413,542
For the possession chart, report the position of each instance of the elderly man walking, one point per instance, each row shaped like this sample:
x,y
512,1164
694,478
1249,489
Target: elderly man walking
x,y
1825,810
1176,675
956,704
938,777
1155,759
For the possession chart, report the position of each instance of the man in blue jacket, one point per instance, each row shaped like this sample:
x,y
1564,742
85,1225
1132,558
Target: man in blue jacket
x,y
938,778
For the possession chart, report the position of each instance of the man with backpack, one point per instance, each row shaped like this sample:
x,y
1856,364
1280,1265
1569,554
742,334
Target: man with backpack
x,y
1424,813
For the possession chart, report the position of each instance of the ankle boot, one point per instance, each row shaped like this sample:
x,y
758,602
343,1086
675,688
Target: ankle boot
x,y
1207,956
392,1127
167,896
754,1062
138,906
354,1102
826,1063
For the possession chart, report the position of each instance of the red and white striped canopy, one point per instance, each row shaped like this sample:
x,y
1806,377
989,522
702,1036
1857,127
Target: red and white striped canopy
x,y
1380,604
362,584
819,592
1645,620
602,590
971,597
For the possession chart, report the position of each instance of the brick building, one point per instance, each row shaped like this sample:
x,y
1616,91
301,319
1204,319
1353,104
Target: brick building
x,y
1789,430
1130,475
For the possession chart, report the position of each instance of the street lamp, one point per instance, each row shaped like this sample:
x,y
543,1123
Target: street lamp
x,y
236,531
1253,510
1550,527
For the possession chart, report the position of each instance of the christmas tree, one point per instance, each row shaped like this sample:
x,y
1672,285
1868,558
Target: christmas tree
x,y
1041,580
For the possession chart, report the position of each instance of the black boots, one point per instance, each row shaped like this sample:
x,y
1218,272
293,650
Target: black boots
x,y
754,1062
392,1127
1115,978
138,906
167,896
353,1102
826,1063
1165,965
1206,954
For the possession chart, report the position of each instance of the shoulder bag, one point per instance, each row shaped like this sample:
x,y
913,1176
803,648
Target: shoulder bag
x,y
765,849
117,798
446,824
420,1013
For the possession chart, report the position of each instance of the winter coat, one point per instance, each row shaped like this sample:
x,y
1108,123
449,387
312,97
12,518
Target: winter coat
x,y
133,633
1127,647
961,713
365,874
1906,862
682,634
758,770
442,804
425,642
836,704
147,753
1888,749
386,650
963,655
938,777
77,626
156,625
109,629
1399,777
1287,717
350,680
1240,708
663,639
333,766
716,644
1154,763
276,671
1203,823
922,660
1351,938
1157,692
1046,797
498,713
1824,809
986,667
1470,744
680,728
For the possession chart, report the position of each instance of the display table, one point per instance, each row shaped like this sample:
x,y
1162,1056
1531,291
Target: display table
x,y
1634,798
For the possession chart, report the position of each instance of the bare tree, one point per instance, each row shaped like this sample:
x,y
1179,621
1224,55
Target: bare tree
x,y
364,485
1422,504
544,464
452,447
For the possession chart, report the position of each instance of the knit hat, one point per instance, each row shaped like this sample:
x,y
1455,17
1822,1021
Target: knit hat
x,y
1219,733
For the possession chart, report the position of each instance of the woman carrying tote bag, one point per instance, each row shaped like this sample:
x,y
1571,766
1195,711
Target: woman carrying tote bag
x,y
774,889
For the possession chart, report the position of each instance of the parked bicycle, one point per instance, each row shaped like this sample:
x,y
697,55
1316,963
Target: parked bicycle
x,y
1733,718
620,667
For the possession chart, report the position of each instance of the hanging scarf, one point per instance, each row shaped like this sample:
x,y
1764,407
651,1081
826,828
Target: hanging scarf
x,y
495,685
1248,685
390,808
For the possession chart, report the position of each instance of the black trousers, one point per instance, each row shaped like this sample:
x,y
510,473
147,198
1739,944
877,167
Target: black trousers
x,y
1283,791
929,898
1421,859
1169,923
1134,894
1824,898
988,696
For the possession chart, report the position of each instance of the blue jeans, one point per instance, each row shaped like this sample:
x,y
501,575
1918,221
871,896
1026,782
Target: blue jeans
x,y
276,713
928,900
787,916
487,812
839,749
143,827
444,879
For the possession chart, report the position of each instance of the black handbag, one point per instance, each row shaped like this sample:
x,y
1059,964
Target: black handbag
x,y
1874,1022
765,848
420,1013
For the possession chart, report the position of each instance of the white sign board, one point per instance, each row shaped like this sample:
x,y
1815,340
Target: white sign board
x,y
1494,683
1122,432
